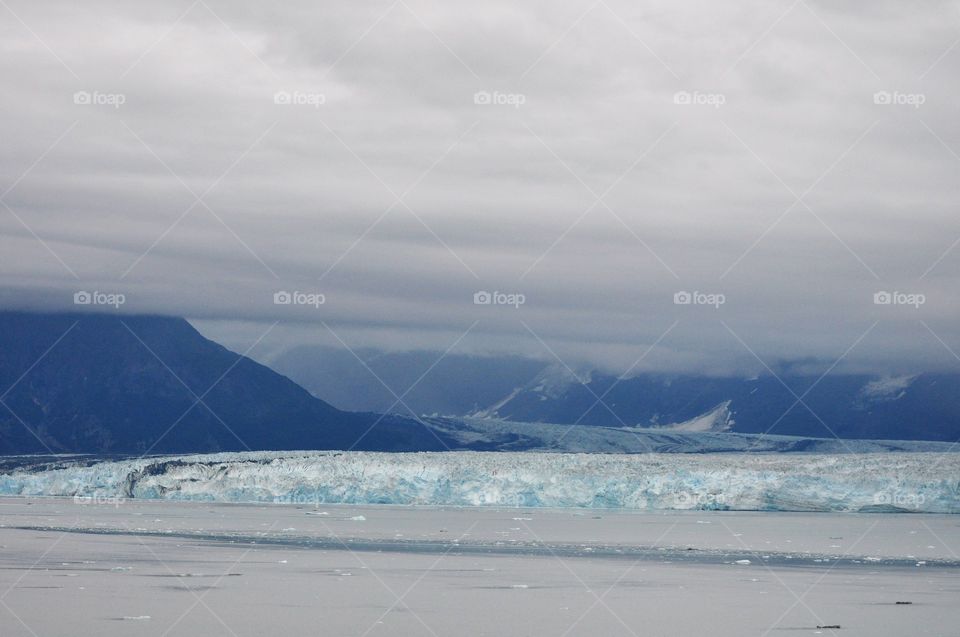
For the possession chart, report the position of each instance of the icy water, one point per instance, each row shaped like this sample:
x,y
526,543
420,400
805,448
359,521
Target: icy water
x,y
132,567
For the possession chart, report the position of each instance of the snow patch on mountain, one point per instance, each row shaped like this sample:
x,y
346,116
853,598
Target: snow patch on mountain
x,y
555,380
493,411
550,384
720,418
886,389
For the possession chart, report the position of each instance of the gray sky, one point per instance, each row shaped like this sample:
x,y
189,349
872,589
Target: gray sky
x,y
587,184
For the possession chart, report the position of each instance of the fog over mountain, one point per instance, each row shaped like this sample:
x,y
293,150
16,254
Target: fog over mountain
x,y
788,401
423,381
606,161
147,385
546,318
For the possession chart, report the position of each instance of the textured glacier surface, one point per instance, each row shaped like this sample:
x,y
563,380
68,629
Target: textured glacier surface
x,y
926,482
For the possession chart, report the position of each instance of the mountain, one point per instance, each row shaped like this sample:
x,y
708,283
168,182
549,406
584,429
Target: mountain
x,y
110,384
918,407
454,384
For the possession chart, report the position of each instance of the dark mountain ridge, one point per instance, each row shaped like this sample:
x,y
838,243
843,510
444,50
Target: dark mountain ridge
x,y
111,384
151,384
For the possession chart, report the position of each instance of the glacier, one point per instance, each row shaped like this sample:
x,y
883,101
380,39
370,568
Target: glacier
x,y
875,482
505,435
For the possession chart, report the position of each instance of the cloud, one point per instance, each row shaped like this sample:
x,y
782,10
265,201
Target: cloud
x,y
597,159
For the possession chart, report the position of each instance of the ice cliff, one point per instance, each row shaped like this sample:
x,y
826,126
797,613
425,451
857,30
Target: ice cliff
x,y
925,482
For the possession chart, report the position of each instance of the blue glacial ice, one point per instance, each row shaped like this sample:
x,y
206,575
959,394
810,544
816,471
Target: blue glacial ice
x,y
917,482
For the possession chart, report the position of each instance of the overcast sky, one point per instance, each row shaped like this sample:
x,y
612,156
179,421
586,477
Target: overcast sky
x,y
596,157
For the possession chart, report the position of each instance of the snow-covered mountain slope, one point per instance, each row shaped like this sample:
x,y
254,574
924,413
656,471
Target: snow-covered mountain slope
x,y
886,389
868,482
717,419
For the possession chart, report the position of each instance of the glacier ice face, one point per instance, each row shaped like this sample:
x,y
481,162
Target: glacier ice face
x,y
925,482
